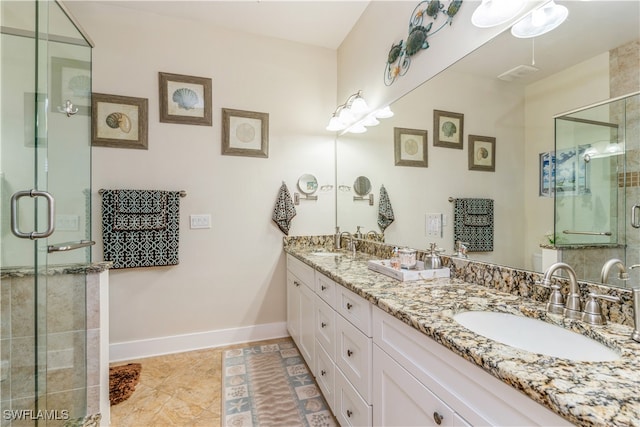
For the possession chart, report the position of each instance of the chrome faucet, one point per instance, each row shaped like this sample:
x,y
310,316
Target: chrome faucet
x,y
351,246
572,308
461,249
606,268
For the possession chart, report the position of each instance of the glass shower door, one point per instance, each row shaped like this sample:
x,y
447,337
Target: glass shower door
x,y
44,199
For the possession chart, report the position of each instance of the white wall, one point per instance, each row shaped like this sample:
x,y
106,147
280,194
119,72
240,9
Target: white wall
x,y
232,275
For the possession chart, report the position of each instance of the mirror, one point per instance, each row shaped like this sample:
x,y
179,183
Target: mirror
x,y
307,184
540,78
362,186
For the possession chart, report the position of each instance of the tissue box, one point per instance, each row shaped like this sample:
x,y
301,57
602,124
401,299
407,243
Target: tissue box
x,y
419,273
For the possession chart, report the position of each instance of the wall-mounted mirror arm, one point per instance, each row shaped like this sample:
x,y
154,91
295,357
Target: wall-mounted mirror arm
x,y
365,198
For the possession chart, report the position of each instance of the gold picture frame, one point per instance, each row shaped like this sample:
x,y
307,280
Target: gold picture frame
x,y
119,121
245,133
185,99
482,153
448,129
410,147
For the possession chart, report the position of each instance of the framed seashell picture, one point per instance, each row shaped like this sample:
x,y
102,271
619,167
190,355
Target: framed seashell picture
x,y
482,153
410,147
70,81
448,129
245,133
185,99
119,121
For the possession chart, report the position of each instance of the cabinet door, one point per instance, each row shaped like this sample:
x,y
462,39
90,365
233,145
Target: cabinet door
x,y
326,289
401,400
325,375
326,327
350,408
293,307
307,326
353,356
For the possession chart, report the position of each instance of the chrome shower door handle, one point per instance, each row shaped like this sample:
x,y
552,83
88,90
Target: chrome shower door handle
x,y
634,216
15,228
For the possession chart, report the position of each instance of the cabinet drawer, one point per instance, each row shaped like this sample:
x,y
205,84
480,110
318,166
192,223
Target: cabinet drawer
x,y
301,270
326,327
401,400
354,308
351,409
325,375
353,356
326,288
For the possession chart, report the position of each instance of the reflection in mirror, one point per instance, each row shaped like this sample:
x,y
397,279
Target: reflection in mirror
x,y
538,80
307,184
362,186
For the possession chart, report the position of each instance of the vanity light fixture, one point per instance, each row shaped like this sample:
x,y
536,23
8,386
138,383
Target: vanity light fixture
x,y
353,116
540,21
492,13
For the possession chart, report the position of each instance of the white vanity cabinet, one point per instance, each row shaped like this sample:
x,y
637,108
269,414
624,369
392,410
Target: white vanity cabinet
x,y
343,351
300,307
458,391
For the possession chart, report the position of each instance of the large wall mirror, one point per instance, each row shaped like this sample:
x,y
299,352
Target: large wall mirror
x,y
540,78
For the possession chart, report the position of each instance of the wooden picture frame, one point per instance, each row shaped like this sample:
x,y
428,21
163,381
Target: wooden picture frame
x,y
119,121
70,80
448,129
482,153
410,147
185,99
245,133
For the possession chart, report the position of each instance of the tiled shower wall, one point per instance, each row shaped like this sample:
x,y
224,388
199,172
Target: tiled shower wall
x,y
71,343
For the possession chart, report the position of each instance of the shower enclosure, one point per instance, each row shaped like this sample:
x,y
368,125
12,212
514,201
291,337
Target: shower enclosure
x,y
45,86
597,187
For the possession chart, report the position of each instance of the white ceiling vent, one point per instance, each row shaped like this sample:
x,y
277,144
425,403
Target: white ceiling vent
x,y
517,73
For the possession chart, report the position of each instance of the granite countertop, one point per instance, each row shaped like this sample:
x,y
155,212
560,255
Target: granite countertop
x,y
585,393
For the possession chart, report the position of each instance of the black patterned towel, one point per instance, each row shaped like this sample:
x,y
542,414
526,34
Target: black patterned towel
x,y
385,211
284,210
473,224
140,228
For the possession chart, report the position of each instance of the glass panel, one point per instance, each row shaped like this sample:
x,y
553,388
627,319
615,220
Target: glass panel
x,y
43,57
589,156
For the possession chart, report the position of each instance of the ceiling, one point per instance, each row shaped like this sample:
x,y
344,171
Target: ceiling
x,y
589,30
324,23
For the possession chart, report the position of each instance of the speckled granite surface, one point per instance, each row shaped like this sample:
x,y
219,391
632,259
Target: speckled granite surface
x,y
585,393
96,267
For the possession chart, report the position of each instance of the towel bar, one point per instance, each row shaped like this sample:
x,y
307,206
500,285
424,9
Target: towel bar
x,y
183,193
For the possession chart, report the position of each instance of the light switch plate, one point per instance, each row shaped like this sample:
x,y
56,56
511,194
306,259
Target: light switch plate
x,y
200,221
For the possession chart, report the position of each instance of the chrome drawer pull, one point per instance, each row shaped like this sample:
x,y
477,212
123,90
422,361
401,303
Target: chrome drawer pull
x,y
349,353
349,306
323,372
323,288
296,283
349,413
323,325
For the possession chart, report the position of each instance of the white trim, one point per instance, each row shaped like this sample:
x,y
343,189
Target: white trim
x,y
179,343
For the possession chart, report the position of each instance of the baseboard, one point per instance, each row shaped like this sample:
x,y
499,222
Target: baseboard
x,y
179,343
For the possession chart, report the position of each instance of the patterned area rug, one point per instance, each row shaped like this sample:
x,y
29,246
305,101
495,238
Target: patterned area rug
x,y
270,385
122,381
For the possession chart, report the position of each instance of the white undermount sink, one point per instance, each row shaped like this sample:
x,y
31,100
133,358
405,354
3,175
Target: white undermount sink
x,y
535,336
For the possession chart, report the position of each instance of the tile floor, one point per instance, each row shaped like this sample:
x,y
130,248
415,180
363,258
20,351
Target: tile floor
x,y
182,389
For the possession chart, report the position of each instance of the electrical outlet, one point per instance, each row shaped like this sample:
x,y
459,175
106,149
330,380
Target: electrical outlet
x,y
200,221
